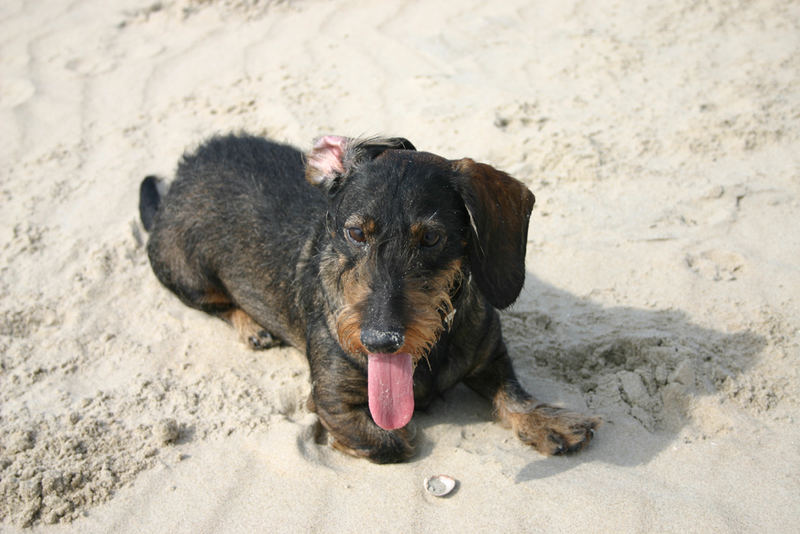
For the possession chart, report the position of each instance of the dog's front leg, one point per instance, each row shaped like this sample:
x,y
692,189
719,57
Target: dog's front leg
x,y
339,398
549,429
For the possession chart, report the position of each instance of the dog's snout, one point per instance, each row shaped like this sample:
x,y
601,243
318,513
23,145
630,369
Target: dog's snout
x,y
382,341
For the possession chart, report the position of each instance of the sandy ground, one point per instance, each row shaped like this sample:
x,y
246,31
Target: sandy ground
x,y
663,291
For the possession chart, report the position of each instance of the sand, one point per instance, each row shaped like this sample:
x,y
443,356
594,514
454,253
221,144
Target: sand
x,y
663,291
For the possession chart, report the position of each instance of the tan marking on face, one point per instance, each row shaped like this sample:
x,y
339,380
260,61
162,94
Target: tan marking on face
x,y
355,290
428,304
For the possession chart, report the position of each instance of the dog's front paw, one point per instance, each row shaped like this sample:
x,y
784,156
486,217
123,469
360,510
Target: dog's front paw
x,y
551,430
382,447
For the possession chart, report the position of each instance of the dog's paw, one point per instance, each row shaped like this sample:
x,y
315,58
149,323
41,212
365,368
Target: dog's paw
x,y
384,447
250,332
551,430
262,340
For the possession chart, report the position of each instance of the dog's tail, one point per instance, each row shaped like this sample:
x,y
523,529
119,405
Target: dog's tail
x,y
149,200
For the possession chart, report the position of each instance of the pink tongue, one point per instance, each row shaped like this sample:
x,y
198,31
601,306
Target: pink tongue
x,y
390,384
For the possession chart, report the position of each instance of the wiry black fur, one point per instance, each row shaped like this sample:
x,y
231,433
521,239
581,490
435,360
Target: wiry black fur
x,y
241,234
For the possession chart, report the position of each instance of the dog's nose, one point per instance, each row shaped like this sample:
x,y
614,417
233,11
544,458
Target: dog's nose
x,y
382,341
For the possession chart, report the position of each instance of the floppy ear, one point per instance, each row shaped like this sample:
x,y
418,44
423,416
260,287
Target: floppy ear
x,y
333,156
499,208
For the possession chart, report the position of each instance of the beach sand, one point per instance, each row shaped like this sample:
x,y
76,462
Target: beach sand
x,y
663,290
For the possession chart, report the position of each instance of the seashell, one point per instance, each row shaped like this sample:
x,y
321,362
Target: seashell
x,y
439,485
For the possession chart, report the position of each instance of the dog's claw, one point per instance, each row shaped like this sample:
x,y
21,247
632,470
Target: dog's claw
x,y
560,448
262,340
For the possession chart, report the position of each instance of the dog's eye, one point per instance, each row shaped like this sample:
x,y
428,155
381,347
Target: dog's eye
x,y
356,235
429,238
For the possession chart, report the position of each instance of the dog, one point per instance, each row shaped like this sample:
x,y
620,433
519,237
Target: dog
x,y
383,264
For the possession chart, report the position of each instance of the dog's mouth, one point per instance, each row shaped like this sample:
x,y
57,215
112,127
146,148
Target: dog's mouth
x,y
390,387
390,376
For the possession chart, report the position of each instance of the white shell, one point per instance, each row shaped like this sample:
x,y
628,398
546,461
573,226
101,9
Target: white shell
x,y
439,485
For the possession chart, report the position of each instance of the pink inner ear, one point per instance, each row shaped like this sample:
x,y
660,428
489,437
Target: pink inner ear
x,y
326,156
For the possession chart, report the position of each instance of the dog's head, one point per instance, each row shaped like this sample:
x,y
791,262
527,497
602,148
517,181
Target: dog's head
x,y
406,229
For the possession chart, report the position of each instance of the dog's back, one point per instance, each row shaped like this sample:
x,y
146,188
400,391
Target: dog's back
x,y
235,177
236,212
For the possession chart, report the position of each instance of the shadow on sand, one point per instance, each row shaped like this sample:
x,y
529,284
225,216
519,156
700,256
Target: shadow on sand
x,y
639,369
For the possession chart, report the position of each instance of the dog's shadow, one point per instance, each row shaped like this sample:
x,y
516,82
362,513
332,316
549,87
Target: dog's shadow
x,y
641,370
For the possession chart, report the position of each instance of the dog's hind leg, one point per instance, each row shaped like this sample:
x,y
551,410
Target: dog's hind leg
x,y
217,302
202,294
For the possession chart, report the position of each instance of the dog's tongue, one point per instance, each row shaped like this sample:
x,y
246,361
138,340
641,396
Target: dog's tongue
x,y
390,384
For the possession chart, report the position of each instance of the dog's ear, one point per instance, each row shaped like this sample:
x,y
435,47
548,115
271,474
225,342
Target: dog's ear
x,y
333,157
499,208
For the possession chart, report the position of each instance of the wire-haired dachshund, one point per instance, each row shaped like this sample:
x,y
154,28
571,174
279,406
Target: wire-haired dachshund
x,y
383,264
